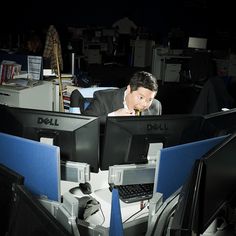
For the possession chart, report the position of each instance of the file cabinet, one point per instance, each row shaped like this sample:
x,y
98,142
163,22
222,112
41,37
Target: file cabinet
x,y
40,96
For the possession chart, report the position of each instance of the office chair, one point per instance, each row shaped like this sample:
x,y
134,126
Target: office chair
x,y
201,67
77,100
213,97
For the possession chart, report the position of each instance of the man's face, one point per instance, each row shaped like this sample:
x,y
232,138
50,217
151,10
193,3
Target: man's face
x,y
139,99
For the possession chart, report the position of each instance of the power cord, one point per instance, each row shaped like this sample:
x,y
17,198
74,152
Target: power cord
x,y
142,206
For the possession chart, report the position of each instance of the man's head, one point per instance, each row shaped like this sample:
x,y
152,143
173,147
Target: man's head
x,y
141,91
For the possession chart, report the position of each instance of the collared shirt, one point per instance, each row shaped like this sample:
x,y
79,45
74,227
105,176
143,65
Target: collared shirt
x,y
124,102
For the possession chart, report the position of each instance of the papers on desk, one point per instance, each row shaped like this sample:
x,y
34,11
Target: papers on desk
x,y
22,82
48,72
22,75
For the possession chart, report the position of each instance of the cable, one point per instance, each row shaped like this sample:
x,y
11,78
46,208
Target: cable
x,y
144,213
135,213
103,216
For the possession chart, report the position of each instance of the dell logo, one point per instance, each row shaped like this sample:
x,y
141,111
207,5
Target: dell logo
x,y
162,127
48,121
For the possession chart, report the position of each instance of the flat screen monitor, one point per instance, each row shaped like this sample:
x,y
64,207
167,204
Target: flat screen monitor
x,y
8,178
219,123
30,217
76,135
211,191
197,43
185,220
126,139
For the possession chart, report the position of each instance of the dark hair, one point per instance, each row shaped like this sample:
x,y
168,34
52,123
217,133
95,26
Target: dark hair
x,y
143,79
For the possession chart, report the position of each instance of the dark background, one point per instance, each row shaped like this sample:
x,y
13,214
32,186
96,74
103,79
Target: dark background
x,y
206,18
214,20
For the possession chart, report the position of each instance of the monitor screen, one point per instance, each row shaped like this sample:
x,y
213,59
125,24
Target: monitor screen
x,y
30,217
185,216
197,43
217,166
76,135
126,139
219,123
8,178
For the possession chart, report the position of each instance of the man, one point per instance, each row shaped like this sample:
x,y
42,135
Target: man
x,y
137,97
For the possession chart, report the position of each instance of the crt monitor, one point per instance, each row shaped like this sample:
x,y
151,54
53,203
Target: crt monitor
x,y
197,43
126,139
208,200
219,123
76,135
8,178
30,217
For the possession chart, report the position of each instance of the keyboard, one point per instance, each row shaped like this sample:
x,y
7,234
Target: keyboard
x,y
134,192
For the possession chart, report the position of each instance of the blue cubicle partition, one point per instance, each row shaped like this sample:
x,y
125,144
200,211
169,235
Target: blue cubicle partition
x,y
116,225
38,162
175,163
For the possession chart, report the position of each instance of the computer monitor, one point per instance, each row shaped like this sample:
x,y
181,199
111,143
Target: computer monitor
x,y
185,219
76,135
219,123
209,191
197,43
126,139
8,178
30,217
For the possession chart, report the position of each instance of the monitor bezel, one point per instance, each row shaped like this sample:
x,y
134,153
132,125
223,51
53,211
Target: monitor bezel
x,y
50,223
21,121
155,130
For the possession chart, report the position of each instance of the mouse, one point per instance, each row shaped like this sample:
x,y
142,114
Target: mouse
x,y
85,188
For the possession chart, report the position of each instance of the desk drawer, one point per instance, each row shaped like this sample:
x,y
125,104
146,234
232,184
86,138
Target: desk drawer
x,y
9,98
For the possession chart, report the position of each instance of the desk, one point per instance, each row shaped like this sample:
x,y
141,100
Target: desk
x,y
39,96
166,67
135,226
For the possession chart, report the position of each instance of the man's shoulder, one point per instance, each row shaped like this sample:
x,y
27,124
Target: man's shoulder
x,y
156,104
156,101
108,92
